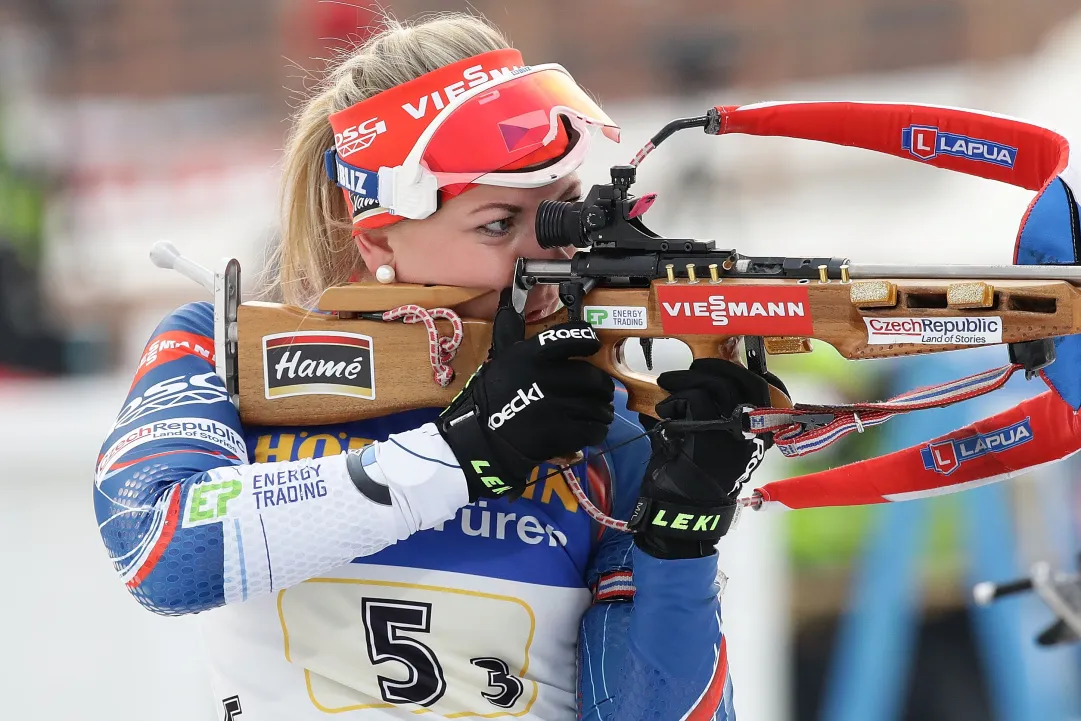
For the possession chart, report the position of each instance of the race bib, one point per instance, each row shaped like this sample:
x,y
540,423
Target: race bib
x,y
384,644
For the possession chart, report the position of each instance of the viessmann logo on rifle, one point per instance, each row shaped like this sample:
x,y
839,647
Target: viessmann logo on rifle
x,y
735,310
318,363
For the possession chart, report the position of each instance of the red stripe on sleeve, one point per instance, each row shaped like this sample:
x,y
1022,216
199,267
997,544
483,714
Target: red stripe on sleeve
x,y
162,543
171,345
707,706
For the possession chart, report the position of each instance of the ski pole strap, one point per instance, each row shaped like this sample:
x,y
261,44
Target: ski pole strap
x,y
804,429
674,520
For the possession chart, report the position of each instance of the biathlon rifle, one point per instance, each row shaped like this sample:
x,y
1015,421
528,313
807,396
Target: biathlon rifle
x,y
349,358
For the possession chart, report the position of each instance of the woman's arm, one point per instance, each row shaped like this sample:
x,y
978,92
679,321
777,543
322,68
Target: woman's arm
x,y
651,645
190,524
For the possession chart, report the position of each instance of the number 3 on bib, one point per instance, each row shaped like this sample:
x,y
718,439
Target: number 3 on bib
x,y
450,651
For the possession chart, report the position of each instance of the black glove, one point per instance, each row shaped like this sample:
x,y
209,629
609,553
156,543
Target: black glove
x,y
528,403
688,496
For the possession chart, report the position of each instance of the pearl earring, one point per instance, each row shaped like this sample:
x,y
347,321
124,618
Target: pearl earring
x,y
384,274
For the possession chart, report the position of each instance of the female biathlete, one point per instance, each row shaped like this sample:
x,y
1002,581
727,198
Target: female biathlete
x,y
429,561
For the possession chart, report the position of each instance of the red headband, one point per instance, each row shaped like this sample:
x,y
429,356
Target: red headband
x,y
381,130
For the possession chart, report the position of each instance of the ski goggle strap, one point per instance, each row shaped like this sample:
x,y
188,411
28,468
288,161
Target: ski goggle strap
x,y
981,144
481,120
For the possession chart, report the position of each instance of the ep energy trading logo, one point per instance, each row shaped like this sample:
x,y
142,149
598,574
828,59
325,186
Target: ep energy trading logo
x,y
615,317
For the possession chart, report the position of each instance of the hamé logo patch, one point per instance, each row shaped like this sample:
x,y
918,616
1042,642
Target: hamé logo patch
x,y
318,363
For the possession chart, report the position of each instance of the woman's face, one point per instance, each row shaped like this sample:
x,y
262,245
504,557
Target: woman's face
x,y
473,240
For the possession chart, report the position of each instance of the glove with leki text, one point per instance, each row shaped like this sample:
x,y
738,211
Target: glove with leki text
x,y
688,496
532,400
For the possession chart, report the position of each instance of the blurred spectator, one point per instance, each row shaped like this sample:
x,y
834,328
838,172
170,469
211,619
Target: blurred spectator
x,y
32,344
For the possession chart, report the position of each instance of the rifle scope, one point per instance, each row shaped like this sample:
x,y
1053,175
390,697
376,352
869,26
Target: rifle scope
x,y
561,224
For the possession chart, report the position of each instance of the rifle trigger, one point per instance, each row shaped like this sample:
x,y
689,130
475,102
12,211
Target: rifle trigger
x,y
647,351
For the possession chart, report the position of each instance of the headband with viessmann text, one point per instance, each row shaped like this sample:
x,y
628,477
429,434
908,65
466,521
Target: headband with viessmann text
x,y
488,119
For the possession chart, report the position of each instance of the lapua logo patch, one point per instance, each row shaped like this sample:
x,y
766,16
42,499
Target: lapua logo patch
x,y
947,456
927,142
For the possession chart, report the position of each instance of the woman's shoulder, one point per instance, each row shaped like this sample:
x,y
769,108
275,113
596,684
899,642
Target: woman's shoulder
x,y
186,330
194,317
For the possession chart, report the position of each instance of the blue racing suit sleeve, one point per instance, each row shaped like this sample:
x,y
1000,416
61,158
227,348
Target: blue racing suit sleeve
x,y
650,646
176,425
190,524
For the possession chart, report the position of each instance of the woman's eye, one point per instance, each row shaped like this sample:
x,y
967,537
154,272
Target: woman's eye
x,y
497,227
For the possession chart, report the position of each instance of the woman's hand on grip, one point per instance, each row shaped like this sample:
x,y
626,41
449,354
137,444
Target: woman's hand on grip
x,y
534,399
688,495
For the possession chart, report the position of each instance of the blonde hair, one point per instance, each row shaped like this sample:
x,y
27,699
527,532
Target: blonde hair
x,y
316,248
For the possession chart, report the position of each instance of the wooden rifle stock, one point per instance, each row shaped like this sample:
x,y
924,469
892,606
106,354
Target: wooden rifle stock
x,y
1027,309
402,369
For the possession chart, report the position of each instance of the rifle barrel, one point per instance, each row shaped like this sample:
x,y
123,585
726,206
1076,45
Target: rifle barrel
x,y
557,270
1068,273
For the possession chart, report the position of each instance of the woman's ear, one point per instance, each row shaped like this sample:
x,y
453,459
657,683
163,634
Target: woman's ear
x,y
374,249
